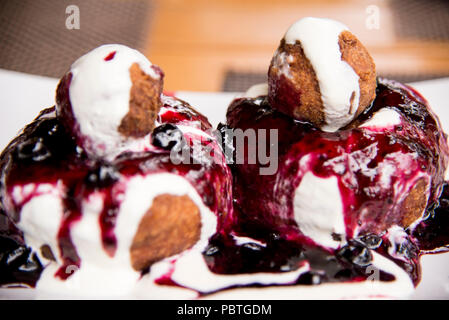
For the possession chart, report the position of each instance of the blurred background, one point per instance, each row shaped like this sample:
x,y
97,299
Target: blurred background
x,y
221,45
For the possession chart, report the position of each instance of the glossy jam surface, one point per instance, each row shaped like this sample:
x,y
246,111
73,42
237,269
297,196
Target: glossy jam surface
x,y
432,234
18,265
269,252
275,254
357,157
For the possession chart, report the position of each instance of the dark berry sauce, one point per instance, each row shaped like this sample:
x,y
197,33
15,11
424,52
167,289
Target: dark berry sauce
x,y
70,258
432,234
355,156
19,266
225,256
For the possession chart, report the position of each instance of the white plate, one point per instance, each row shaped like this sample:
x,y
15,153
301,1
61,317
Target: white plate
x,y
22,96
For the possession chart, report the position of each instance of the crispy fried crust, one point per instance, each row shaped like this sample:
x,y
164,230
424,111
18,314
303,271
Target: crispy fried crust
x,y
171,225
299,95
413,206
144,104
356,55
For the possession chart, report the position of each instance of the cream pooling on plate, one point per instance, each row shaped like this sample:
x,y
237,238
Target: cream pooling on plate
x,y
338,82
100,96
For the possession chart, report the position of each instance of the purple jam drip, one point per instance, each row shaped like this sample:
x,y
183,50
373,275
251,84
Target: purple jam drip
x,y
101,179
70,259
62,163
19,266
108,219
110,56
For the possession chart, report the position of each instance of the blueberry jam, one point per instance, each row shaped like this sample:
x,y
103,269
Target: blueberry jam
x,y
358,158
275,254
45,153
262,205
19,266
432,234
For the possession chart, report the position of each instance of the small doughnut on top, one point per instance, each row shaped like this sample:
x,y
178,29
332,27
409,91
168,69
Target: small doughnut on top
x,y
321,73
108,98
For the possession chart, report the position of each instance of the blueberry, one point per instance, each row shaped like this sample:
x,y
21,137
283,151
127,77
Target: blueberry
x,y
211,250
32,264
33,149
274,236
363,258
407,249
311,278
102,176
252,253
48,128
356,253
336,236
166,136
20,267
252,247
16,256
20,258
372,241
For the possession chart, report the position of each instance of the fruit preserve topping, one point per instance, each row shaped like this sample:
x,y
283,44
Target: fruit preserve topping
x,y
432,234
385,170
